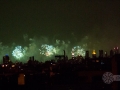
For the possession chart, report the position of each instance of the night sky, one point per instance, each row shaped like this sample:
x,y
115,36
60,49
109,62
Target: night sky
x,y
95,22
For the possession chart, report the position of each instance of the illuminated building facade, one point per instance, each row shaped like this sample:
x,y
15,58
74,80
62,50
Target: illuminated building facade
x,y
116,50
93,54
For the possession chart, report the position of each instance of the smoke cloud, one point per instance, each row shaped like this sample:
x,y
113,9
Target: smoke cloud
x,y
44,48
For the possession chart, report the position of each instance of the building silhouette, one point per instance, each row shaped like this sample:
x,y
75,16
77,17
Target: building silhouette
x,y
6,59
81,70
87,54
101,53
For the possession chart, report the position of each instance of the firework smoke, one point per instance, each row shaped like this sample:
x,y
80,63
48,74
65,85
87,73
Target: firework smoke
x,y
45,49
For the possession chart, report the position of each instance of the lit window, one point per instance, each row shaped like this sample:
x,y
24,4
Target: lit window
x,y
117,47
2,65
97,60
93,52
13,65
21,79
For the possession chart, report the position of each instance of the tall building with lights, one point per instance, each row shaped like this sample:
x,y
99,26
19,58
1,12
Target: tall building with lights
x,y
105,53
116,50
73,55
93,54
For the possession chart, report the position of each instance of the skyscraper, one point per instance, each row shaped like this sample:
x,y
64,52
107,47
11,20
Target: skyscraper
x,y
105,53
116,50
100,53
111,53
87,54
93,54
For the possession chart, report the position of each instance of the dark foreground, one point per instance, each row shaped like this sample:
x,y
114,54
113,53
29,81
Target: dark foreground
x,y
83,86
70,83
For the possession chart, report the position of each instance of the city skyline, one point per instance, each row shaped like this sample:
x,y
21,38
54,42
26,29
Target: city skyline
x,y
22,55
